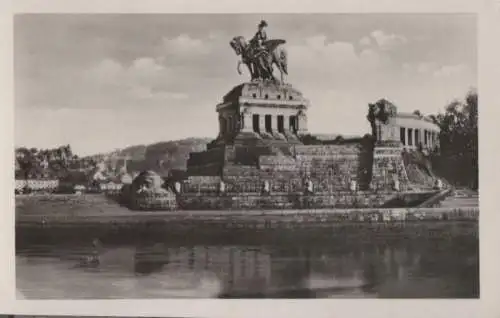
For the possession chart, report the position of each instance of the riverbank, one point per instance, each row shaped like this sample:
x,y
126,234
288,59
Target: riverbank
x,y
312,215
49,211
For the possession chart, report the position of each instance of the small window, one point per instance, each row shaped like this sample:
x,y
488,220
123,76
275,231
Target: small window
x,y
254,95
279,96
266,96
290,98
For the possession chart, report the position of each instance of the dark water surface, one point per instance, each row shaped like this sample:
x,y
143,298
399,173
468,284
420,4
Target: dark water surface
x,y
312,265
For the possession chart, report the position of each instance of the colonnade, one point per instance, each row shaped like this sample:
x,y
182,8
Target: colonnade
x,y
413,137
260,123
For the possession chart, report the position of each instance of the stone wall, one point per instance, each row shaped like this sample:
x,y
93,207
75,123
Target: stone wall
x,y
292,200
388,166
154,201
208,162
248,155
333,170
201,184
330,168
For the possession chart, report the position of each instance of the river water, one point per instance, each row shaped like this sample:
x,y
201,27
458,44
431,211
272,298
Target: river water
x,y
301,267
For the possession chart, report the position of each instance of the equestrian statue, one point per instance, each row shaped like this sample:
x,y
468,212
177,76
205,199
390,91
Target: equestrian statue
x,y
261,54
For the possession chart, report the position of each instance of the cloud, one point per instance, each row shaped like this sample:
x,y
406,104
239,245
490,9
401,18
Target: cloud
x,y
365,41
91,131
338,111
141,71
318,55
419,68
184,45
146,66
435,70
450,70
111,84
387,41
318,63
142,81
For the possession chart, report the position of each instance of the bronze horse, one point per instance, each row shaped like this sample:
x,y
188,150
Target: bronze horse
x,y
261,64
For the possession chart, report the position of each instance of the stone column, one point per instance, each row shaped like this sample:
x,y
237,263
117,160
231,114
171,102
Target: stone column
x,y
286,123
274,123
302,123
262,123
395,133
246,117
229,124
221,126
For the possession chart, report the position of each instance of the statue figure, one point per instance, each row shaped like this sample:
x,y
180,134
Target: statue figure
x,y
259,37
309,186
379,111
260,54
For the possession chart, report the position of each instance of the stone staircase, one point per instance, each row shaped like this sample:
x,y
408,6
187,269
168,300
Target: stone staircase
x,y
461,198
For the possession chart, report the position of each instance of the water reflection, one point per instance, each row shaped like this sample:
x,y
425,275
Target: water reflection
x,y
394,269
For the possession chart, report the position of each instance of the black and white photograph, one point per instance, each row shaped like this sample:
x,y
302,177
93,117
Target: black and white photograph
x,y
167,156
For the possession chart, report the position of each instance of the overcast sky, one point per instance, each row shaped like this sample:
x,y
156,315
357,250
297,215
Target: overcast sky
x,y
100,82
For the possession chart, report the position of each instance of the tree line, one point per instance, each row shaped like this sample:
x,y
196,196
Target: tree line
x,y
56,163
457,158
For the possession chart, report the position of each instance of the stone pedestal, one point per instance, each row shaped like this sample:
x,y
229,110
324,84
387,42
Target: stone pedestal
x,y
262,99
243,137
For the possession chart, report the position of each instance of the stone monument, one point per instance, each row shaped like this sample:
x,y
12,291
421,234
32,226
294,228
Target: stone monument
x,y
264,156
263,116
262,112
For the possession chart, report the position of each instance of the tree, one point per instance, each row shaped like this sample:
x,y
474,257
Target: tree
x,y
458,157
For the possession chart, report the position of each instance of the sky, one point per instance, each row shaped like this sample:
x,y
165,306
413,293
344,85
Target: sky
x,y
100,82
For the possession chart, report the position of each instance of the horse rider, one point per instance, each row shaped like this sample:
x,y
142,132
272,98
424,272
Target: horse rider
x,y
260,37
260,52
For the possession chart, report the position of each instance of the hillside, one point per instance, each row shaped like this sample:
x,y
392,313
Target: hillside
x,y
160,157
